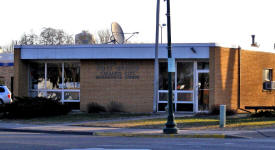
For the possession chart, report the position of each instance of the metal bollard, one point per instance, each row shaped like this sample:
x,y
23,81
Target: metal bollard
x,y
222,116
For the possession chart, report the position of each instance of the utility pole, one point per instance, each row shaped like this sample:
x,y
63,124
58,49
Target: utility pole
x,y
156,67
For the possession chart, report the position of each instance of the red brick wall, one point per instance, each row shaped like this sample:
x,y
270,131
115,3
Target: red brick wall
x,y
252,66
224,77
6,72
103,81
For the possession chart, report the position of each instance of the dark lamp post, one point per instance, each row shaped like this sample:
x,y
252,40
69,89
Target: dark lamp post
x,y
170,126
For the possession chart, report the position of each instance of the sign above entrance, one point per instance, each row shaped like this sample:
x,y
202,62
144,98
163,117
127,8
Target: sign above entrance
x,y
171,65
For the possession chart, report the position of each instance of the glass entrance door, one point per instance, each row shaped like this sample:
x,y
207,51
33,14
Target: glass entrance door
x,y
183,86
190,86
203,91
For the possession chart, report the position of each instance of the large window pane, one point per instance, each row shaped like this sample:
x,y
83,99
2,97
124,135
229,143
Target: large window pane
x,y
164,96
163,76
203,65
54,76
203,89
184,107
185,76
54,95
162,106
185,96
37,76
71,76
71,96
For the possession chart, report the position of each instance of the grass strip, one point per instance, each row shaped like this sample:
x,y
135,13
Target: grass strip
x,y
195,123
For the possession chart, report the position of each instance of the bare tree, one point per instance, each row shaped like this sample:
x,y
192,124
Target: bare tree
x,y
29,39
51,36
104,36
9,48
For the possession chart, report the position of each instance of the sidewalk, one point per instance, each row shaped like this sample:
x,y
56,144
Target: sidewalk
x,y
103,131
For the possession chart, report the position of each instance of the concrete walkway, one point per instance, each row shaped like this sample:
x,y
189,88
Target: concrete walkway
x,y
104,131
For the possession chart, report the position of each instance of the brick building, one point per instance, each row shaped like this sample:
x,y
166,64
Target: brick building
x,y
6,69
205,75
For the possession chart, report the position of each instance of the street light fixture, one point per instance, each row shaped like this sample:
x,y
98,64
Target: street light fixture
x,y
161,26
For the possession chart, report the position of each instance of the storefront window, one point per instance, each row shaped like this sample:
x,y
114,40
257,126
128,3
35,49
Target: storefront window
x,y
163,77
37,75
203,65
54,76
71,95
185,76
185,97
71,76
63,81
54,95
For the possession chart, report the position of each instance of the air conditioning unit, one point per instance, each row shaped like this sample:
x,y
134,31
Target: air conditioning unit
x,y
269,85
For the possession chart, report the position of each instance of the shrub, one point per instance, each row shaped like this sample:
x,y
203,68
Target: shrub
x,y
216,111
95,108
115,107
263,114
29,107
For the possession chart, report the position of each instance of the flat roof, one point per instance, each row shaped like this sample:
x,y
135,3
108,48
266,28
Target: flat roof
x,y
114,51
141,45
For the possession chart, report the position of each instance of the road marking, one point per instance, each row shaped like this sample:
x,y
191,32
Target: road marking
x,y
228,143
102,149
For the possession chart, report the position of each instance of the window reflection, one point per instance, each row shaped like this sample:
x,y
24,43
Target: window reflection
x,y
54,76
163,76
37,76
185,96
54,95
71,95
71,76
184,76
57,79
203,65
203,89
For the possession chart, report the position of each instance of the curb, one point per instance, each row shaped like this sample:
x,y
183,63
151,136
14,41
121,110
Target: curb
x,y
48,131
220,136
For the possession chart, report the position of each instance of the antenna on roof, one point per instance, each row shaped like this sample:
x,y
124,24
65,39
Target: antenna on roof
x,y
118,34
254,44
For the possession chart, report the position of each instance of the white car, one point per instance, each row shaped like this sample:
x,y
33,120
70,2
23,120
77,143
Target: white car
x,y
5,95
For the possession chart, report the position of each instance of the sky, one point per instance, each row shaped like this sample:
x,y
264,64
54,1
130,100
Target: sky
x,y
192,21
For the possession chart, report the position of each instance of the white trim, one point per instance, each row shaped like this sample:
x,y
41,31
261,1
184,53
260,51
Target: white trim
x,y
148,45
65,101
45,70
127,51
61,90
195,84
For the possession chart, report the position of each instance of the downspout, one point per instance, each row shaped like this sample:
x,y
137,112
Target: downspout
x,y
239,77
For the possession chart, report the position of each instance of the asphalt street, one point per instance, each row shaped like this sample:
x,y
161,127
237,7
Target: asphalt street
x,y
42,141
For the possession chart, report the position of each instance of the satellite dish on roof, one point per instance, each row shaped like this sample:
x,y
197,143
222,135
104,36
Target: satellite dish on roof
x,y
117,33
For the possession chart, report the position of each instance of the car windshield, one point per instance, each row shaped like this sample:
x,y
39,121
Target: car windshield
x,y
2,90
